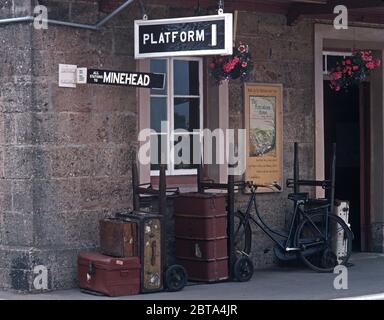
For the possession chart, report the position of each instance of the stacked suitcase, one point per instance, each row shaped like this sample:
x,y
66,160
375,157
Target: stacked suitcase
x,y
130,260
201,236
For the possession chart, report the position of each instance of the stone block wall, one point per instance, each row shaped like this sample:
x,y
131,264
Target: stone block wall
x,y
66,153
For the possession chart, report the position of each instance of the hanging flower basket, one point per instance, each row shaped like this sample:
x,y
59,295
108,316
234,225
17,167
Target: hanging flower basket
x,y
236,66
350,71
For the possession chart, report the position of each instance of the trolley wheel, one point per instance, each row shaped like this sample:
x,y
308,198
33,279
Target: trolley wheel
x,y
175,278
243,269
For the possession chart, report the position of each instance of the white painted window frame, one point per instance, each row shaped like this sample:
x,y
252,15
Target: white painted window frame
x,y
171,171
326,54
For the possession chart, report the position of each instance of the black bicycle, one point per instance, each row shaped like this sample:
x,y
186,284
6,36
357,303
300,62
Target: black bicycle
x,y
320,239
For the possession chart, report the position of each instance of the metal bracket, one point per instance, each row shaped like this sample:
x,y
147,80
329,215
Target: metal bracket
x,y
220,9
143,11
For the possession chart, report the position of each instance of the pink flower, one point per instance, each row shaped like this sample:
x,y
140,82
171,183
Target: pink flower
x,y
336,75
366,56
370,65
230,65
244,64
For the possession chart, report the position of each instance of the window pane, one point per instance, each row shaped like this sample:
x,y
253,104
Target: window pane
x,y
188,164
186,78
158,147
158,113
159,66
187,113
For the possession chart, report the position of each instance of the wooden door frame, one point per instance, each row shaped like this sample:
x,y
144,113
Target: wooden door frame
x,y
365,167
325,35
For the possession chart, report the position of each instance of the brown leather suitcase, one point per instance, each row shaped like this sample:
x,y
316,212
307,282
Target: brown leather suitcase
x,y
202,249
150,248
213,270
118,238
108,275
201,236
200,227
204,204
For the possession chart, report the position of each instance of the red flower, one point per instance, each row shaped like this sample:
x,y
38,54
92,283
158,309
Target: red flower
x,y
244,64
355,68
348,62
212,66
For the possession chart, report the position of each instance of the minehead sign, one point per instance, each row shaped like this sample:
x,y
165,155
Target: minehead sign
x,y
197,36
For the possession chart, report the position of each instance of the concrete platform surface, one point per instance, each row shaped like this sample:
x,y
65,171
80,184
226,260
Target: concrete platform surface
x,y
365,281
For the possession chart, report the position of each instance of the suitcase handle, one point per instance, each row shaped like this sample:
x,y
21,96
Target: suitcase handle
x,y
153,257
91,269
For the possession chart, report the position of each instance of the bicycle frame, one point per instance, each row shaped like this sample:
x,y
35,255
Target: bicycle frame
x,y
290,237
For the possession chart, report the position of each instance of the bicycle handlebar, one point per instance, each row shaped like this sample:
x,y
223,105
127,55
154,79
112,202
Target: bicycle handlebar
x,y
275,185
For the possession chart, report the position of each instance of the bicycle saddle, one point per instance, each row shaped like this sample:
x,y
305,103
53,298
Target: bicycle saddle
x,y
298,196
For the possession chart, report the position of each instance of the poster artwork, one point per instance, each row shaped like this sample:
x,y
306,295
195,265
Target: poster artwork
x,y
263,107
262,129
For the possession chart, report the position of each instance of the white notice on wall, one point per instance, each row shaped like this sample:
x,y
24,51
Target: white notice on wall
x,y
81,75
67,75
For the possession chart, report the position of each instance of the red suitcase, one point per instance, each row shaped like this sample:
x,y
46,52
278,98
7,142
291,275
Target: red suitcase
x,y
108,275
199,227
202,249
201,204
205,270
201,236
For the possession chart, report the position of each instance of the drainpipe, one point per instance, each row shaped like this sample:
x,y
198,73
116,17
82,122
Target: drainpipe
x,y
96,26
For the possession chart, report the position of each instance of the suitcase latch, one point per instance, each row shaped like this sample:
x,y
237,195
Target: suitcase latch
x,y
91,271
198,253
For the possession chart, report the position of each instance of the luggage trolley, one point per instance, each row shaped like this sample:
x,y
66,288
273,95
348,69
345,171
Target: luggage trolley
x,y
173,277
240,266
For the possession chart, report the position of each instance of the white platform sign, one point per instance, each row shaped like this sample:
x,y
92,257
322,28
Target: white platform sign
x,y
190,36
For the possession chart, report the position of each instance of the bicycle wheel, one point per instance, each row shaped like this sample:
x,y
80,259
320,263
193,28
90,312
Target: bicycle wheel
x,y
242,234
317,253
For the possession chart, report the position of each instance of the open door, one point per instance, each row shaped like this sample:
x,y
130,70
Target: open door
x,y
346,122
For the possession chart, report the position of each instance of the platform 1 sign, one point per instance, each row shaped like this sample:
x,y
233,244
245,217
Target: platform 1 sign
x,y
121,78
197,36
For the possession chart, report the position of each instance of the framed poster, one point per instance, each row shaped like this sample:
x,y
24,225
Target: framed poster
x,y
263,123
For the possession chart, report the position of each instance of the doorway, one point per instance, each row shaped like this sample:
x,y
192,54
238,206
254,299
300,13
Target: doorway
x,y
346,122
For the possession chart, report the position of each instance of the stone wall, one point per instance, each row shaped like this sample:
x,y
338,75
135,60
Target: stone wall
x,y
283,55
66,152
